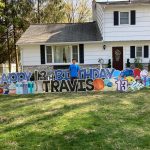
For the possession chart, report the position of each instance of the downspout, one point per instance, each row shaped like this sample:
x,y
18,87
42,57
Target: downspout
x,y
22,60
103,24
2,68
21,53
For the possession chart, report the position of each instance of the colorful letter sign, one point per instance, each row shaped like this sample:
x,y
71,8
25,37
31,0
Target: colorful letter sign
x,y
89,79
15,77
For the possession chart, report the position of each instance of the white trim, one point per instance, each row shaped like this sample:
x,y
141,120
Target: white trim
x,y
100,42
64,43
128,18
53,63
142,58
46,53
57,64
52,54
107,42
136,52
22,61
124,5
78,52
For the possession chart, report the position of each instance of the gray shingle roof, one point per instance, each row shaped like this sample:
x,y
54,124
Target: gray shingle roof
x,y
125,2
55,33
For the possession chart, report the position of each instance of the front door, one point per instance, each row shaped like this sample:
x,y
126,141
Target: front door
x,y
117,56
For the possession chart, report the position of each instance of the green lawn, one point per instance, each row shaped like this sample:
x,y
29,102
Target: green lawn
x,y
83,121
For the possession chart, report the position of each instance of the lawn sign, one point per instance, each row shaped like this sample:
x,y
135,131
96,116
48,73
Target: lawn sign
x,y
91,79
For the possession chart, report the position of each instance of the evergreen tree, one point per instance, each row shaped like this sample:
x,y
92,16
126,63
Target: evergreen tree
x,y
14,20
1,7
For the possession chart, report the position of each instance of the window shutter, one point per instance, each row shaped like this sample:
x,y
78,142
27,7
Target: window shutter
x,y
116,18
132,52
81,53
146,51
42,50
133,17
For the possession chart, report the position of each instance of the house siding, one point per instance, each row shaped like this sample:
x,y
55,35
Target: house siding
x,y
30,55
92,52
95,51
140,31
100,18
126,50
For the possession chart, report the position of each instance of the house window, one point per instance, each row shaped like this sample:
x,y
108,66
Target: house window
x,y
124,17
49,54
62,54
139,51
75,53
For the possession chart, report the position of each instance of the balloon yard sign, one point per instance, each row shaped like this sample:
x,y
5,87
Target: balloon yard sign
x,y
89,80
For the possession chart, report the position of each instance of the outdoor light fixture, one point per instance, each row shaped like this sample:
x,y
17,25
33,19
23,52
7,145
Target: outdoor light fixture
x,y
104,47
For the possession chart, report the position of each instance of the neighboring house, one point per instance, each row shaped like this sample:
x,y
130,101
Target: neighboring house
x,y
120,31
4,68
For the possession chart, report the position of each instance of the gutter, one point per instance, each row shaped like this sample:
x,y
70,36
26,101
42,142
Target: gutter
x,y
62,43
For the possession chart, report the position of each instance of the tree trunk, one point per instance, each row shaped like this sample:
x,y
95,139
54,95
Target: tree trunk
x,y
73,19
8,48
15,48
14,15
38,11
7,35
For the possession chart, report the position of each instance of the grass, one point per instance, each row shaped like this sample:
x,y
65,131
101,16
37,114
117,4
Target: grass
x,y
76,121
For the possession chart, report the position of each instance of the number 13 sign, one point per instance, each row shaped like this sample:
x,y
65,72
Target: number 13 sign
x,y
122,85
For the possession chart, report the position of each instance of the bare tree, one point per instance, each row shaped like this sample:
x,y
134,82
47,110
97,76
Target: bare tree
x,y
78,11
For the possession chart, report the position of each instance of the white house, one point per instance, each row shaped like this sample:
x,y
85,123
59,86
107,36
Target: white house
x,y
120,30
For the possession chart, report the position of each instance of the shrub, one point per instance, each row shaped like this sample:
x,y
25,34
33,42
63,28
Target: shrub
x,y
137,63
109,63
128,63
